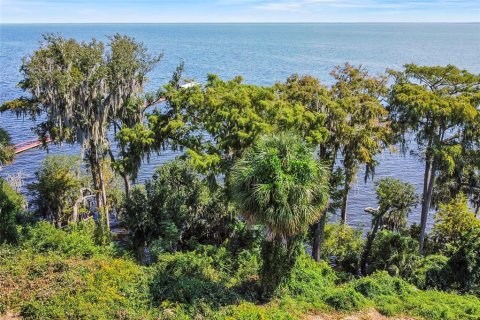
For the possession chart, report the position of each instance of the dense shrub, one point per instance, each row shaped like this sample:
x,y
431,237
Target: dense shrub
x,y
432,272
75,240
250,311
310,279
343,245
392,295
452,221
465,263
201,284
177,209
7,150
47,286
11,205
190,278
57,189
393,252
381,284
345,299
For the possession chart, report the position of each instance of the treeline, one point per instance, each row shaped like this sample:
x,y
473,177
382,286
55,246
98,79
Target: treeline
x,y
277,158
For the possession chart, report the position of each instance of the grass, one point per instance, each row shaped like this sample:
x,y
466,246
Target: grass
x,y
49,279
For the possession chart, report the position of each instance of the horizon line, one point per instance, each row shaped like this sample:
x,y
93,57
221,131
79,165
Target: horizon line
x,y
253,22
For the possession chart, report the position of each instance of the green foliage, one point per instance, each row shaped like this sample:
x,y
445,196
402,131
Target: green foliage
x,y
345,300
312,110
233,114
396,199
393,296
393,252
11,205
452,220
206,262
57,188
201,284
439,106
177,209
278,260
365,130
134,143
75,240
343,245
49,287
309,279
250,311
465,261
432,272
7,151
381,284
191,278
279,185
83,90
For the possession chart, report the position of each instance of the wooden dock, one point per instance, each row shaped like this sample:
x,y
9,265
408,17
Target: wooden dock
x,y
27,145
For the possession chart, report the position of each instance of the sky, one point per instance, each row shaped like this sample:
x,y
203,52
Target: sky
x,y
169,11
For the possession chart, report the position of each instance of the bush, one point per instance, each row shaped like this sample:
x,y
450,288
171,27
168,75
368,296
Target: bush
x,y
76,240
57,188
392,296
343,245
465,262
437,305
190,278
452,221
395,253
178,210
345,299
7,150
432,272
11,205
381,284
310,280
250,311
47,286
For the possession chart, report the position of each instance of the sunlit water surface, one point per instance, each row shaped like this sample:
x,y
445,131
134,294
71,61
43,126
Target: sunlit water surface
x,y
262,54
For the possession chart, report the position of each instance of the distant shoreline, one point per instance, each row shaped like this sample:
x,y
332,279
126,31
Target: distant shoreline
x,y
220,23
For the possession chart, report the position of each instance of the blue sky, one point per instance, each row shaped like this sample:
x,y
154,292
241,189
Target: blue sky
x,y
42,11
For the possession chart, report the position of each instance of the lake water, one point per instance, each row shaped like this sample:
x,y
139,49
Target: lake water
x,y
262,54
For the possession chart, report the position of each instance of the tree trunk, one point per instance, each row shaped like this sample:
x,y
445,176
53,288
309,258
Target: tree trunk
x,y
103,195
319,227
428,184
124,175
345,202
75,213
319,236
368,246
94,169
128,185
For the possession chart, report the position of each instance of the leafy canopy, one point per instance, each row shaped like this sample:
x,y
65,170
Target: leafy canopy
x,y
454,219
57,187
7,151
396,199
11,205
279,184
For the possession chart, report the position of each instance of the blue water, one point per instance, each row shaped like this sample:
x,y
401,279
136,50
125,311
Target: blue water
x,y
262,54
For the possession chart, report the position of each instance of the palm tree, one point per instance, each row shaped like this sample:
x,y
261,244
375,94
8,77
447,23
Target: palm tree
x,y
279,184
7,151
